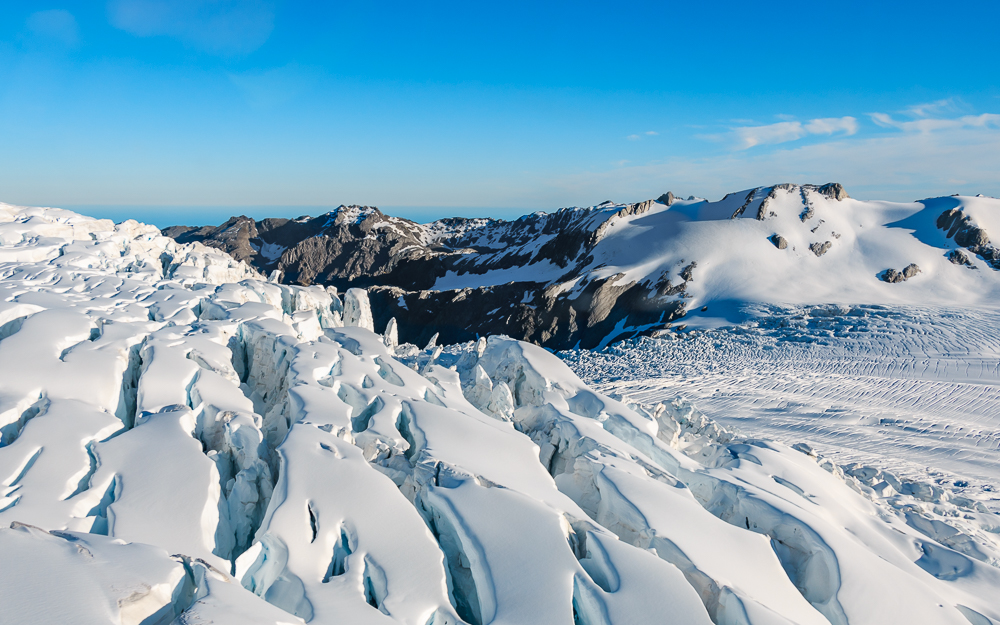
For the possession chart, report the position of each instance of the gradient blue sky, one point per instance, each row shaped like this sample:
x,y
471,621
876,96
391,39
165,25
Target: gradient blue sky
x,y
433,109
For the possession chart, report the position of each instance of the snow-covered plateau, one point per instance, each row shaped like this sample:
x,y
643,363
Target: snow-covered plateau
x,y
184,441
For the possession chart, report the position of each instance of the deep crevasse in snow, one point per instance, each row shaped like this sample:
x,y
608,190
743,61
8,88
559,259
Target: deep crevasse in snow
x,y
183,441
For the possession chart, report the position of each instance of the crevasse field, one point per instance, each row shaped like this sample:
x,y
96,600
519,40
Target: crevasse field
x,y
914,389
185,442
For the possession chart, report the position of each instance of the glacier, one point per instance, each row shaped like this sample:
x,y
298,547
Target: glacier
x,y
185,441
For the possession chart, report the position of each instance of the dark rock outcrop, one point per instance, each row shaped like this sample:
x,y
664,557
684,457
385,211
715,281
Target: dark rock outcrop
x,y
234,236
820,248
833,190
778,241
959,257
667,198
830,190
892,276
559,321
966,233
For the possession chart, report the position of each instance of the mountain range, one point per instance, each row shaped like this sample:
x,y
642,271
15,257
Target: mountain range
x,y
588,277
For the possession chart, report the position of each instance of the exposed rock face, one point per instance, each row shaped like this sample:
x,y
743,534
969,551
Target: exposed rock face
x,y
959,257
833,190
778,241
234,236
553,320
750,197
892,276
341,248
820,248
966,233
403,265
962,229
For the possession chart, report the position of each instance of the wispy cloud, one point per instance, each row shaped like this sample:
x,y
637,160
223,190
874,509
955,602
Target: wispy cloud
x,y
651,133
927,109
746,137
223,27
910,159
933,124
637,137
832,125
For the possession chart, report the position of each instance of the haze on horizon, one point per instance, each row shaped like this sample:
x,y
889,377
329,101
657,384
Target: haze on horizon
x,y
472,108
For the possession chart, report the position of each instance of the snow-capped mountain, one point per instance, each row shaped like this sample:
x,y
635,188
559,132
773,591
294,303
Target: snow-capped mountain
x,y
592,276
186,442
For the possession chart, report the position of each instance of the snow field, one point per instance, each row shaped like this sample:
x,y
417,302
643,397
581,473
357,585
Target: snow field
x,y
185,442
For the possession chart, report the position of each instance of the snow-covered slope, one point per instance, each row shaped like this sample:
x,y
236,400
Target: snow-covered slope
x,y
185,442
830,251
914,390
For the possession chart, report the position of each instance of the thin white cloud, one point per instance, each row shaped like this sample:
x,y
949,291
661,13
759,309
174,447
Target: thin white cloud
x,y
54,24
781,132
747,137
633,137
652,133
831,125
961,157
224,27
930,108
932,124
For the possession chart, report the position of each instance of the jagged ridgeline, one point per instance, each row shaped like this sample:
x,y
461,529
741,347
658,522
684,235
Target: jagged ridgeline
x,y
459,278
587,277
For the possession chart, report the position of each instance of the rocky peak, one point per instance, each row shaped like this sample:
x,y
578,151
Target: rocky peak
x,y
833,190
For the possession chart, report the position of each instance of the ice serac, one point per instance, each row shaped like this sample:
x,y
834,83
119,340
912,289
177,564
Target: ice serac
x,y
357,309
823,536
183,441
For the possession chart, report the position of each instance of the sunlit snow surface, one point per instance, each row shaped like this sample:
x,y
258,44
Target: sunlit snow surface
x,y
913,389
185,442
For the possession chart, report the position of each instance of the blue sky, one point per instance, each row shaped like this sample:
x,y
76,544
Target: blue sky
x,y
189,110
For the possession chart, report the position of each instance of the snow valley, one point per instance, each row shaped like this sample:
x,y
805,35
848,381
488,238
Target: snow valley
x,y
186,441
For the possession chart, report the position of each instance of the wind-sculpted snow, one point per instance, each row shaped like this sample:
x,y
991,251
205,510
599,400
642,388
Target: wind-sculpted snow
x,y
185,442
